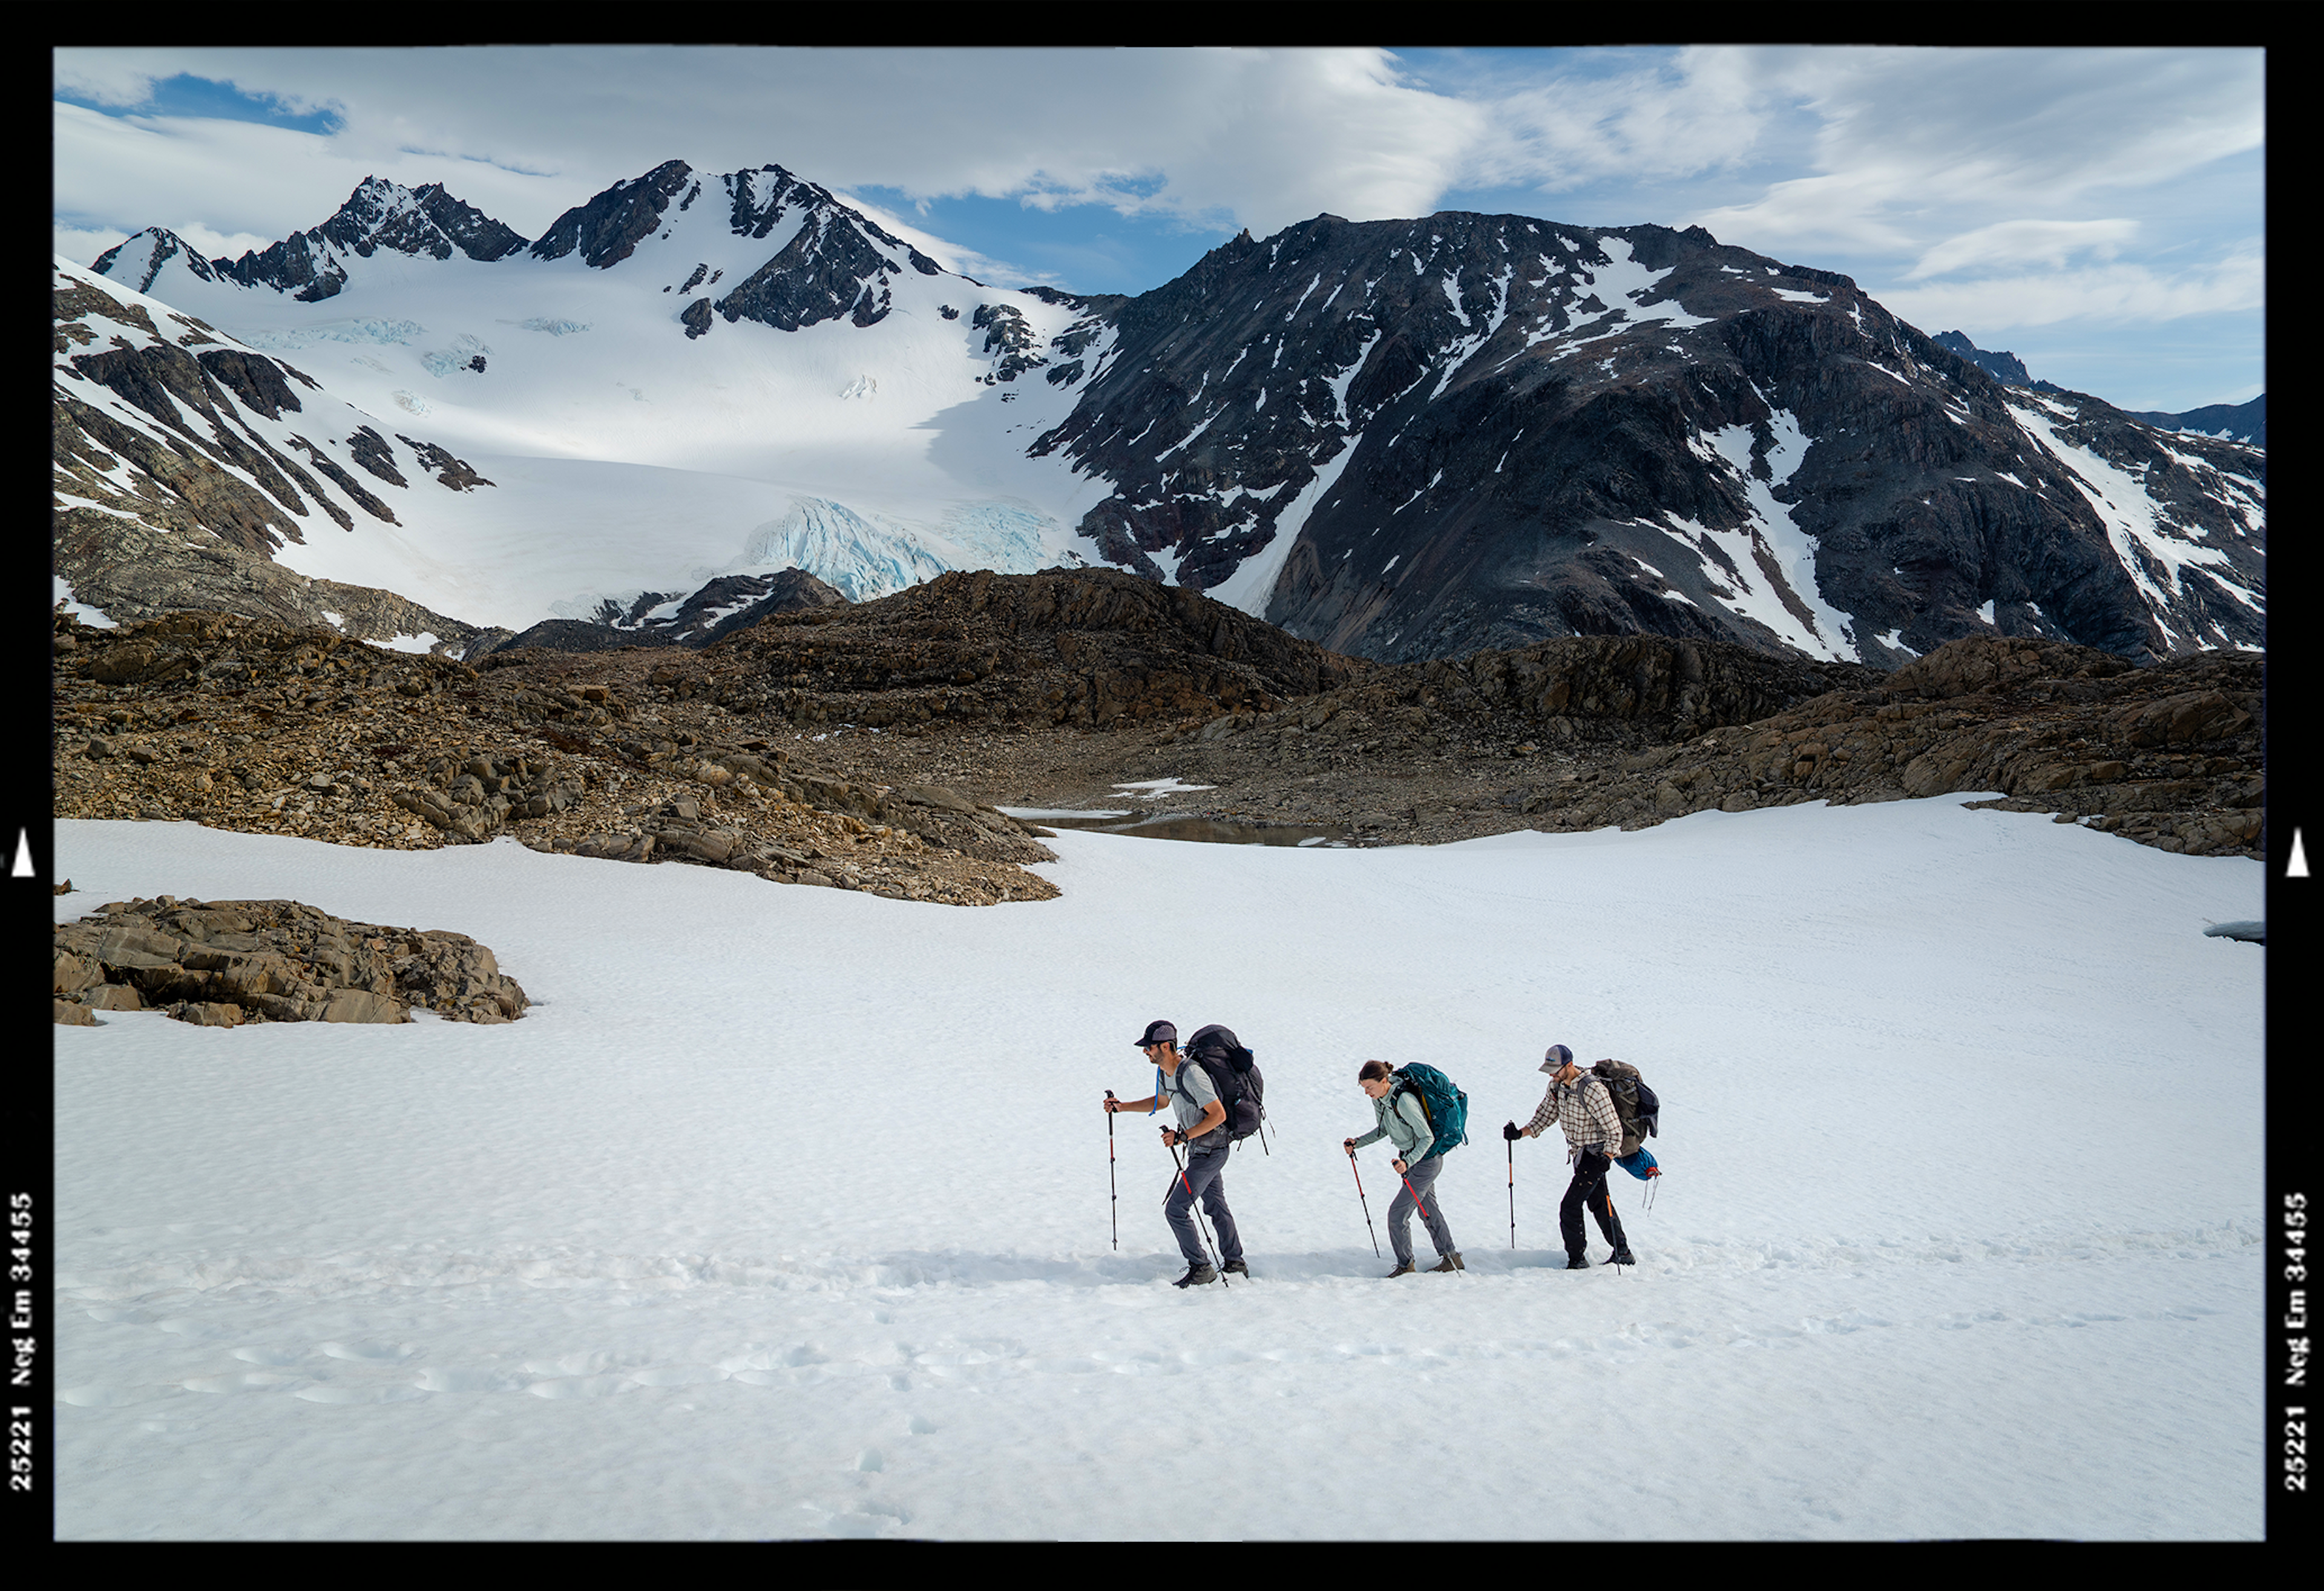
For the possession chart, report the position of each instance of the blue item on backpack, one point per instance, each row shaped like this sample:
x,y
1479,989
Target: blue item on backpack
x,y
1640,1165
1445,1106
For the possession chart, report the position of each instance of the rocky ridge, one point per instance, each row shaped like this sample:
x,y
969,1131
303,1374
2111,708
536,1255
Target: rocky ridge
x,y
1631,731
223,964
263,727
1078,648
869,746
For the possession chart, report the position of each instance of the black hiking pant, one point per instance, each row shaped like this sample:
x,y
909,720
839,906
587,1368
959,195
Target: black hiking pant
x,y
1588,1190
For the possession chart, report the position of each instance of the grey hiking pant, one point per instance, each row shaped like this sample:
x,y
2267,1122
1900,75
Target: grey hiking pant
x,y
1421,1179
1202,1179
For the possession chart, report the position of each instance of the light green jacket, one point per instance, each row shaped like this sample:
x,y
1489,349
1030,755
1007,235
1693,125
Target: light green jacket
x,y
1402,1120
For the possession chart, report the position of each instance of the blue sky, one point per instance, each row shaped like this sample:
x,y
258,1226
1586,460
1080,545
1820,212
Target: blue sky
x,y
2099,212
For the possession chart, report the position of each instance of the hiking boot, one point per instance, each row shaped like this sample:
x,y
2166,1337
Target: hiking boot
x,y
1451,1262
1579,1262
1622,1256
1403,1268
1196,1275
1235,1267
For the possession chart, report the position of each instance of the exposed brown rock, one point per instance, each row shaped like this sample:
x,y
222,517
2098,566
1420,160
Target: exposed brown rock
x,y
226,963
249,724
868,747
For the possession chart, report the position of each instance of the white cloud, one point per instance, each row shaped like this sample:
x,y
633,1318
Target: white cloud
x,y
1902,147
2113,294
2019,243
1695,111
1268,137
2084,178
221,183
1915,146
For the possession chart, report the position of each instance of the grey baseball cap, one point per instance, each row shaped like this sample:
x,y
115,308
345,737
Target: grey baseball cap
x,y
1557,1059
1157,1033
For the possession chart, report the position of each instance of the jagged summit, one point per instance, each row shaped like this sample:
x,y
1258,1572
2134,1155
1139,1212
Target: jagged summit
x,y
1401,439
1414,439
138,258
313,266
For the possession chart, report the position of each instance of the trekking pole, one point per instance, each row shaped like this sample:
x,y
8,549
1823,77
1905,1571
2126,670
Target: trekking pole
x,y
1510,1145
1416,1197
1365,1202
1200,1225
1111,1188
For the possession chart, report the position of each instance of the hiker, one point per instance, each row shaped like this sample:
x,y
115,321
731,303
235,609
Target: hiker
x,y
1202,1121
1418,1160
1580,1104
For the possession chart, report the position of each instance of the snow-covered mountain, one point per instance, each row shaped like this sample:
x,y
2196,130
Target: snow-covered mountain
x,y
1403,439
1414,439
688,377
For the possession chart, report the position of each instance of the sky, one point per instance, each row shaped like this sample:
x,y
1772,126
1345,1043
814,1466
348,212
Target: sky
x,y
2099,212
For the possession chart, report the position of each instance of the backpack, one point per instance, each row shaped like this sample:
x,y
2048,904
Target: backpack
x,y
1235,1075
1445,1106
1634,1103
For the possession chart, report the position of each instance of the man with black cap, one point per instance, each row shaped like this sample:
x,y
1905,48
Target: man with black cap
x,y
1580,1105
1201,1119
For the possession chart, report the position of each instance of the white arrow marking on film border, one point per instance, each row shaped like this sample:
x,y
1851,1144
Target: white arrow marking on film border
x,y
24,869
2299,868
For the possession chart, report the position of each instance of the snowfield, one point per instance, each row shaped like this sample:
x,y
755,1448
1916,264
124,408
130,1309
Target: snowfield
x,y
784,1212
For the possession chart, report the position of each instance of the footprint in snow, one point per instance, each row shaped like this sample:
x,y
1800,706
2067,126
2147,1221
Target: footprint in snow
x,y
251,1381
678,1375
95,1396
270,1357
580,1386
436,1380
358,1394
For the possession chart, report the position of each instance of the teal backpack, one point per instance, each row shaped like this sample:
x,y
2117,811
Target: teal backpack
x,y
1446,1106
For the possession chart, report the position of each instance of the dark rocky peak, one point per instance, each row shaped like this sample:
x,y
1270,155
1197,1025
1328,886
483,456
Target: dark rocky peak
x,y
137,260
839,263
1235,384
758,200
2233,422
1488,431
311,265
1049,295
2003,366
467,229
382,215
610,226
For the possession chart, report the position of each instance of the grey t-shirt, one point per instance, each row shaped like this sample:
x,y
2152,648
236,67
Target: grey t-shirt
x,y
1191,1092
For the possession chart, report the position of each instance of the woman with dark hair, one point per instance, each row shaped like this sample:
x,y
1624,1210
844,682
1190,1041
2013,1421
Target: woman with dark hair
x,y
1396,1106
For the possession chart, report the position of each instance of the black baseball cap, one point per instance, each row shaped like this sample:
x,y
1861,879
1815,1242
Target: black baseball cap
x,y
1158,1033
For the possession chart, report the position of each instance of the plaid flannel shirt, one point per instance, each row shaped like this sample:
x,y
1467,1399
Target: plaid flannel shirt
x,y
1585,1110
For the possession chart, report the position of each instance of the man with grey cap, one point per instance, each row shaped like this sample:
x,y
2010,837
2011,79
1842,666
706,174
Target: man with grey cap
x,y
1202,1121
1580,1105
